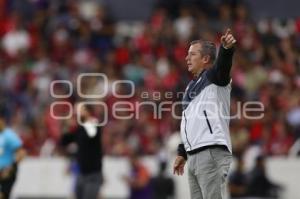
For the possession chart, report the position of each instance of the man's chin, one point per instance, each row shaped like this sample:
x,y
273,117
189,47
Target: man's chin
x,y
191,70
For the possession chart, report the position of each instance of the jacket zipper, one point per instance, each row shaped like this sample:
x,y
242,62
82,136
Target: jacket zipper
x,y
186,131
207,121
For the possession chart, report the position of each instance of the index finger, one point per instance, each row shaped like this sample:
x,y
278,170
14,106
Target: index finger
x,y
228,31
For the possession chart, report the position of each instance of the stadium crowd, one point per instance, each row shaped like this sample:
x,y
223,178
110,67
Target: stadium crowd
x,y
43,41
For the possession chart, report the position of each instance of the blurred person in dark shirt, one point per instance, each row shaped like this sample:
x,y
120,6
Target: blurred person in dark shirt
x,y
238,180
87,137
11,153
259,183
162,185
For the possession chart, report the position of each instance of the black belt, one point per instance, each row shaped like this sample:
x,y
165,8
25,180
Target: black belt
x,y
194,151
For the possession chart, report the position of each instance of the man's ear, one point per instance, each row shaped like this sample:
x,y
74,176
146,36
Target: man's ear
x,y
206,59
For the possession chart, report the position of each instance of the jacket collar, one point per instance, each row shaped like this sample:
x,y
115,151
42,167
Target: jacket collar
x,y
195,78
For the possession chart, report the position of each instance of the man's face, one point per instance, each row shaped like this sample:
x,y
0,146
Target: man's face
x,y
81,111
195,60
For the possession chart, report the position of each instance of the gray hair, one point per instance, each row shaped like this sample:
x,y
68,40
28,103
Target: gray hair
x,y
208,48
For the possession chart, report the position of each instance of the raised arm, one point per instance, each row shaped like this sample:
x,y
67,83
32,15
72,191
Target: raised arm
x,y
220,73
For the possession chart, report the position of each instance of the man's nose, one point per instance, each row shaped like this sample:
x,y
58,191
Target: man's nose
x,y
187,57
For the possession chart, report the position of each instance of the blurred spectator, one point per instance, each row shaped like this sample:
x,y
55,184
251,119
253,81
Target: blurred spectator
x,y
280,141
16,39
162,186
139,179
87,137
238,180
183,24
11,153
259,183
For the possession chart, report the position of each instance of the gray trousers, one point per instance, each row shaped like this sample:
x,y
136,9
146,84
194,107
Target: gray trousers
x,y
87,186
207,173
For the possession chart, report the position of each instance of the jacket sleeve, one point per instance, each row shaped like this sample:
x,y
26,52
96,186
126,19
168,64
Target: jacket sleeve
x,y
66,139
181,151
219,74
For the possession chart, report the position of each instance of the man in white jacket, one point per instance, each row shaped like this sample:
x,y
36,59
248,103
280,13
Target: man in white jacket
x,y
205,135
